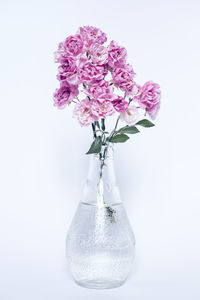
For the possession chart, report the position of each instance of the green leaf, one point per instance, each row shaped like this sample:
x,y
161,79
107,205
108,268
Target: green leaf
x,y
129,130
119,138
145,123
96,146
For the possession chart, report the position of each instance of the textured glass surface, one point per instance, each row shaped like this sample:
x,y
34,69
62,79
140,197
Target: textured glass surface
x,y
100,242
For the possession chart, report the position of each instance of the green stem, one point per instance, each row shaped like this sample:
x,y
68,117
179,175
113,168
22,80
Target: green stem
x,y
116,123
113,132
102,158
94,131
103,124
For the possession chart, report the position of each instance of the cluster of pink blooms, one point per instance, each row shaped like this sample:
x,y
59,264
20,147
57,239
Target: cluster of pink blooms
x,y
86,65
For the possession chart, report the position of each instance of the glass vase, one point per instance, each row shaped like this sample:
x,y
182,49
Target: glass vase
x,y
100,242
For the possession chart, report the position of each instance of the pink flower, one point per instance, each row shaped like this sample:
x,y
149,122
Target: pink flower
x,y
123,77
101,91
83,112
73,45
84,60
89,73
92,35
66,59
68,70
116,55
120,104
59,53
154,111
130,115
134,91
99,54
102,109
149,98
65,94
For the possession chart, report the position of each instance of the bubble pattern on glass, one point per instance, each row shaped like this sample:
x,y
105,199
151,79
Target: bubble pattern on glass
x,y
99,250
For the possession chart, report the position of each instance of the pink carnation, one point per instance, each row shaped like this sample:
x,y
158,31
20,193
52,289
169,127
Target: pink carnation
x,y
83,112
102,109
68,70
101,91
59,53
149,98
154,111
73,45
123,77
116,55
65,94
66,59
85,60
134,91
99,54
92,35
89,73
130,115
120,104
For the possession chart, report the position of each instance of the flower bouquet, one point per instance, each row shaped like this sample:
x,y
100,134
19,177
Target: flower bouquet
x,y
96,78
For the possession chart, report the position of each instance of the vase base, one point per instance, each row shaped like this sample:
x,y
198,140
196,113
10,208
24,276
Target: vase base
x,y
100,284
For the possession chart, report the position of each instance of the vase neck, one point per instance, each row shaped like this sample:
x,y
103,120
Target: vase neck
x,y
102,166
101,181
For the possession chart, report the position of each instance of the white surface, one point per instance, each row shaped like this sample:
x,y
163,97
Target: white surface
x,y
43,166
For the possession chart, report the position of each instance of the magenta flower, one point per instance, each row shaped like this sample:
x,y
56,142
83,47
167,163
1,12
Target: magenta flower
x,y
101,91
83,113
99,54
66,59
68,70
123,77
120,104
73,45
91,35
149,98
65,94
102,109
90,73
116,55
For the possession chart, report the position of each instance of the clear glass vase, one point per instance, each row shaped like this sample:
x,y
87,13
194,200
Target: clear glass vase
x,y
100,243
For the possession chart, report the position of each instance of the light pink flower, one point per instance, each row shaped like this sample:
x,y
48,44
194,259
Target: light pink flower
x,y
68,70
59,53
120,104
149,98
91,35
131,115
116,55
102,109
101,91
73,45
65,94
123,77
134,91
89,73
99,54
154,111
83,113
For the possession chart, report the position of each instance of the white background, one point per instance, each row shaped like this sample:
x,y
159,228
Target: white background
x,y
43,166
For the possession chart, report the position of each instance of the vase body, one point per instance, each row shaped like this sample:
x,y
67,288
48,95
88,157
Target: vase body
x,y
100,242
